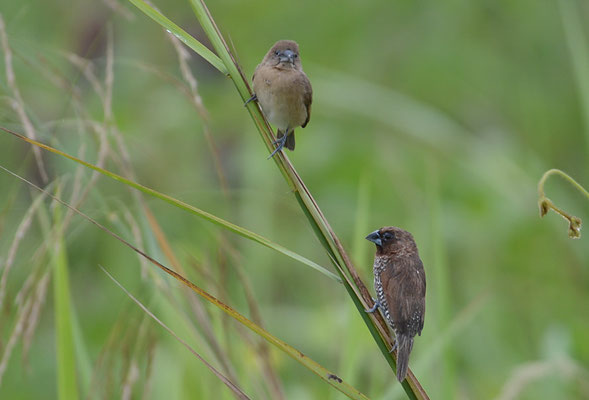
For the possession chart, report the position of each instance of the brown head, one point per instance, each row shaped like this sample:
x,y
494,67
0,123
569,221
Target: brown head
x,y
284,55
392,240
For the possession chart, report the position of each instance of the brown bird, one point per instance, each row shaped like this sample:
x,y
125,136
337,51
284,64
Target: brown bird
x,y
399,282
283,91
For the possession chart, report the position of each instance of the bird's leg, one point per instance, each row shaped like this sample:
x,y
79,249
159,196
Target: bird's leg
x,y
280,142
253,98
374,307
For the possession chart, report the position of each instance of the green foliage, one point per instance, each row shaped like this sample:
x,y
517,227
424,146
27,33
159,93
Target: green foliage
x,y
447,113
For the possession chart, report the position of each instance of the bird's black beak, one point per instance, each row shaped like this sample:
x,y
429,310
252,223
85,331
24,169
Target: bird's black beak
x,y
374,237
287,56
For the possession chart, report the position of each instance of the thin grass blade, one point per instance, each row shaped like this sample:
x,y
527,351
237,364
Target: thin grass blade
x,y
181,34
187,207
313,366
579,50
240,394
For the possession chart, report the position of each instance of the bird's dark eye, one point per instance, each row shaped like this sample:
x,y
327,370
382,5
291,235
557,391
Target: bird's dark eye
x,y
388,236
277,52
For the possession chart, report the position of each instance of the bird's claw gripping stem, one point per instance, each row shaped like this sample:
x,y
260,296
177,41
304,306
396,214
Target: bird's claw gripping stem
x,y
253,98
394,346
280,142
374,307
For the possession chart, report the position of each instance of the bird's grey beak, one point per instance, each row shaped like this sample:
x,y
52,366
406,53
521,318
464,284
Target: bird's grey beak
x,y
374,237
287,56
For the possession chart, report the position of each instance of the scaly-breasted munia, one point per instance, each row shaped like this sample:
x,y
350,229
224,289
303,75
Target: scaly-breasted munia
x,y
283,91
399,282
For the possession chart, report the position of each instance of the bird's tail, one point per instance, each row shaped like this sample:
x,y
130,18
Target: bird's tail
x,y
404,347
290,139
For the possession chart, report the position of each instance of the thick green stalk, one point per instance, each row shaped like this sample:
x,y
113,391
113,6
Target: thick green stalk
x,y
67,386
357,290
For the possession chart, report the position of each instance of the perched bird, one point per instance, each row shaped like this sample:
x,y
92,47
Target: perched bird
x,y
283,91
399,282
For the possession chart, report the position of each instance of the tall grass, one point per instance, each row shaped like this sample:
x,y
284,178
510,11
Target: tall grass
x,y
446,135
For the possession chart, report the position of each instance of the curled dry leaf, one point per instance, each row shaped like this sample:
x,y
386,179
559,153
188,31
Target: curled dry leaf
x,y
575,227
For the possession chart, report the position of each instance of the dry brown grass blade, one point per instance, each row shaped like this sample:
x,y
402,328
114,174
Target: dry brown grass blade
x,y
18,236
263,350
30,299
198,309
104,92
310,364
196,100
237,391
17,101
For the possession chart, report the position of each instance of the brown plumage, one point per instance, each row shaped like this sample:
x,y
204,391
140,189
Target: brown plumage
x,y
399,282
283,91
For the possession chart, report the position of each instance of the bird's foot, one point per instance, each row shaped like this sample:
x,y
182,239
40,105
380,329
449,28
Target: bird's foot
x,y
374,307
394,347
280,142
253,98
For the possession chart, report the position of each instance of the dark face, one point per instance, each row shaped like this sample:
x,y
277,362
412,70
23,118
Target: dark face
x,y
284,54
390,239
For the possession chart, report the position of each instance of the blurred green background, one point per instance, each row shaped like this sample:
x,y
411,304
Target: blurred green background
x,y
437,117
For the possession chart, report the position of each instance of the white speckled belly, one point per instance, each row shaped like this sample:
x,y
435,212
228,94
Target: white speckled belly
x,y
378,270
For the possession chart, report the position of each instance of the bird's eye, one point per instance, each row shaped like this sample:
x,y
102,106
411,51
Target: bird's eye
x,y
277,52
388,236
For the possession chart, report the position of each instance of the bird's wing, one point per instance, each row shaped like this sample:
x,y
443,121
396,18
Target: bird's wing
x,y
405,295
307,98
255,72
